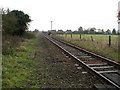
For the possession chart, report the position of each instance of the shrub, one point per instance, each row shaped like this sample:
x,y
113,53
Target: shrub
x,y
28,35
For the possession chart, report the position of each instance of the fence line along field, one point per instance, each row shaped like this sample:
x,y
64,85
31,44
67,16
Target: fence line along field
x,y
96,43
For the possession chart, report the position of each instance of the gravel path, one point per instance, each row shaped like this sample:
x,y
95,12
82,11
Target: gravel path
x,y
52,69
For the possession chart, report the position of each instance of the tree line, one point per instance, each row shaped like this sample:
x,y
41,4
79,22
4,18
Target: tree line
x,y
93,31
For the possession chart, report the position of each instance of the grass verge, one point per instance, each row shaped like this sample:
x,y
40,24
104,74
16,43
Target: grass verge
x,y
16,67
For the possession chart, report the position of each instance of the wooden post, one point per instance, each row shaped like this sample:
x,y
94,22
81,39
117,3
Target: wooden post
x,y
91,38
109,40
71,35
80,36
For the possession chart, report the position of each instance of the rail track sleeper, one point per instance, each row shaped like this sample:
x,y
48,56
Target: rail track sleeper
x,y
101,72
97,64
76,65
80,54
85,56
84,72
91,58
104,67
79,67
90,61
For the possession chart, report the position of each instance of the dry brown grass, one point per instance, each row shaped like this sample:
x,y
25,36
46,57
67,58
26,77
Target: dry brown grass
x,y
9,43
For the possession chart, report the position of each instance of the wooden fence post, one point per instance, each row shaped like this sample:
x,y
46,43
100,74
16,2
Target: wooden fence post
x,y
91,38
71,35
109,40
80,36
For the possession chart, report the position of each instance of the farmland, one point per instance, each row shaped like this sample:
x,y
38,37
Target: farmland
x,y
95,43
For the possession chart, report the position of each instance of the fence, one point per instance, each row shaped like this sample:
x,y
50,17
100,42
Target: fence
x,y
109,40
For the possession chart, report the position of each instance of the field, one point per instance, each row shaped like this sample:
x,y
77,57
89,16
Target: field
x,y
95,43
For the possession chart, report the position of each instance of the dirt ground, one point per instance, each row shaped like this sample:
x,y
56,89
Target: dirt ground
x,y
52,69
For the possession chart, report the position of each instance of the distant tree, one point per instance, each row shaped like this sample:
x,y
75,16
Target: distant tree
x,y
92,30
80,30
114,31
86,31
102,30
36,31
108,31
76,32
4,11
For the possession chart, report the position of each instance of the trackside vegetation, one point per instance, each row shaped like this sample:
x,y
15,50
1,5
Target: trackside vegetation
x,y
17,45
95,43
16,67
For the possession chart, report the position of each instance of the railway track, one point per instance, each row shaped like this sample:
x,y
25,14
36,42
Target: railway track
x,y
105,69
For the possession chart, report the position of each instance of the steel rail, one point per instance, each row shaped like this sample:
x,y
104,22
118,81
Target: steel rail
x,y
84,65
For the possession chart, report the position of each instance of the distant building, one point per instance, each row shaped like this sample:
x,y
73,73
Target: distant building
x,y
60,32
69,32
52,31
99,30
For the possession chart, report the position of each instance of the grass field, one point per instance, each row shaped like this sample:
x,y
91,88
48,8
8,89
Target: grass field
x,y
95,43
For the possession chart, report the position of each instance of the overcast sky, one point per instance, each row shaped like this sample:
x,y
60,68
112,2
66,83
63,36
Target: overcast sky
x,y
67,14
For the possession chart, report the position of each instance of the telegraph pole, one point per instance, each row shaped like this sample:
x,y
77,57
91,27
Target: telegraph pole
x,y
51,24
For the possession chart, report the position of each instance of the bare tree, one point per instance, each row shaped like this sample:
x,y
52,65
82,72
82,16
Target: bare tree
x,y
4,11
80,29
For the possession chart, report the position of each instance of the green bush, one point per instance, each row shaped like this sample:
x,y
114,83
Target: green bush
x,y
28,35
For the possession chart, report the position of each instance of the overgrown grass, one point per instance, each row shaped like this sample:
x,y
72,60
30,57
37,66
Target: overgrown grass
x,y
100,44
28,35
9,42
16,66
